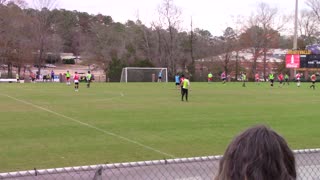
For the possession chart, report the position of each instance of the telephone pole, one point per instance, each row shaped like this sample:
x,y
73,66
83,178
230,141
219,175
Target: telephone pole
x,y
295,36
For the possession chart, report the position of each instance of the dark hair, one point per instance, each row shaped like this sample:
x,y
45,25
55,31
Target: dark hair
x,y
88,71
259,153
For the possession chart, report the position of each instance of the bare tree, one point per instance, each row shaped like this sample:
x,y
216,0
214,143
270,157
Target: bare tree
x,y
229,45
238,29
15,37
315,6
139,42
192,65
265,25
43,27
104,46
170,20
44,4
3,2
146,38
20,3
308,26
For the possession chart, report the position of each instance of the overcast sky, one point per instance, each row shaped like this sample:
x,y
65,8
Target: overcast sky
x,y
212,15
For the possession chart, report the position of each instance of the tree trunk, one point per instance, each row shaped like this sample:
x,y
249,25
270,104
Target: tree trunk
x,y
237,65
159,46
146,39
10,70
192,66
40,55
264,64
226,62
254,67
171,60
19,69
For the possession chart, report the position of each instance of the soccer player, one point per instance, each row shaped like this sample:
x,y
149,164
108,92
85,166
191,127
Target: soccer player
x,y
185,86
68,75
160,76
210,77
181,81
244,79
17,77
313,81
271,78
223,77
33,77
88,78
298,76
286,78
177,80
257,78
280,78
52,76
76,78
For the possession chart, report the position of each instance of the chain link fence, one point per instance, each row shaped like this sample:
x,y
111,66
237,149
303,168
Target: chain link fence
x,y
198,168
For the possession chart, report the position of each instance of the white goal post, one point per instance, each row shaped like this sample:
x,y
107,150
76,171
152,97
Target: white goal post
x,y
144,74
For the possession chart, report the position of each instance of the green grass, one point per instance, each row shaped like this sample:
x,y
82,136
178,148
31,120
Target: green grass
x,y
148,113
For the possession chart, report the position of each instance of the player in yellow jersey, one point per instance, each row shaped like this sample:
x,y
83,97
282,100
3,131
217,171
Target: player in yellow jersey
x,y
244,79
210,76
185,86
88,78
68,75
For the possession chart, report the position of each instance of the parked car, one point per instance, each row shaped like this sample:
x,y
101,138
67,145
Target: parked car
x,y
50,66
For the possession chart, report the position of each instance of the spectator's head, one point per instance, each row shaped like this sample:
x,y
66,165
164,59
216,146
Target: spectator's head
x,y
89,72
259,153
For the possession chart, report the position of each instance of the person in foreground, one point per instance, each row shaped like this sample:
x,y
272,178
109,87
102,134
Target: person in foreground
x,y
259,153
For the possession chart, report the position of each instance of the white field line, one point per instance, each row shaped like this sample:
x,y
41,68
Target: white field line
x,y
91,126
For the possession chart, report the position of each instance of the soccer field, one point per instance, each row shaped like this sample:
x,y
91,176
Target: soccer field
x,y
48,125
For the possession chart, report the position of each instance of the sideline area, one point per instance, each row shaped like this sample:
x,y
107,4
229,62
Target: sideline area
x,y
8,80
196,168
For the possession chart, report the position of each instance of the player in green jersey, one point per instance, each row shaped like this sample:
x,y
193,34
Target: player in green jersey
x,y
88,78
185,88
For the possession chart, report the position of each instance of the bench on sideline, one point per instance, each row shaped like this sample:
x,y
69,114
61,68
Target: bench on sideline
x,y
8,80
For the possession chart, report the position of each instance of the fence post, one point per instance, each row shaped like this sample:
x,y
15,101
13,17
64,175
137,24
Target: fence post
x,y
98,174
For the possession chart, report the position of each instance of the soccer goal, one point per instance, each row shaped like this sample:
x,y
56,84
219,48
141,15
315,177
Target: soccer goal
x,y
143,74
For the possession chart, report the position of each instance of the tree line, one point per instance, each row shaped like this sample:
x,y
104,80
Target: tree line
x,y
29,36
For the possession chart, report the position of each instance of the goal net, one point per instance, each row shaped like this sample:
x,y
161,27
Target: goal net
x,y
144,74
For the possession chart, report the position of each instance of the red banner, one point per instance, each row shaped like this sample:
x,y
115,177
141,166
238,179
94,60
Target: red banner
x,y
293,61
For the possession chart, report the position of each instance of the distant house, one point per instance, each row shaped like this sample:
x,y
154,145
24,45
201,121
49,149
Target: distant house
x,y
68,58
215,64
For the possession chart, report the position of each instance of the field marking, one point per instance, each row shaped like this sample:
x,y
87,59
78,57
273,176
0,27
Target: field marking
x,y
91,126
